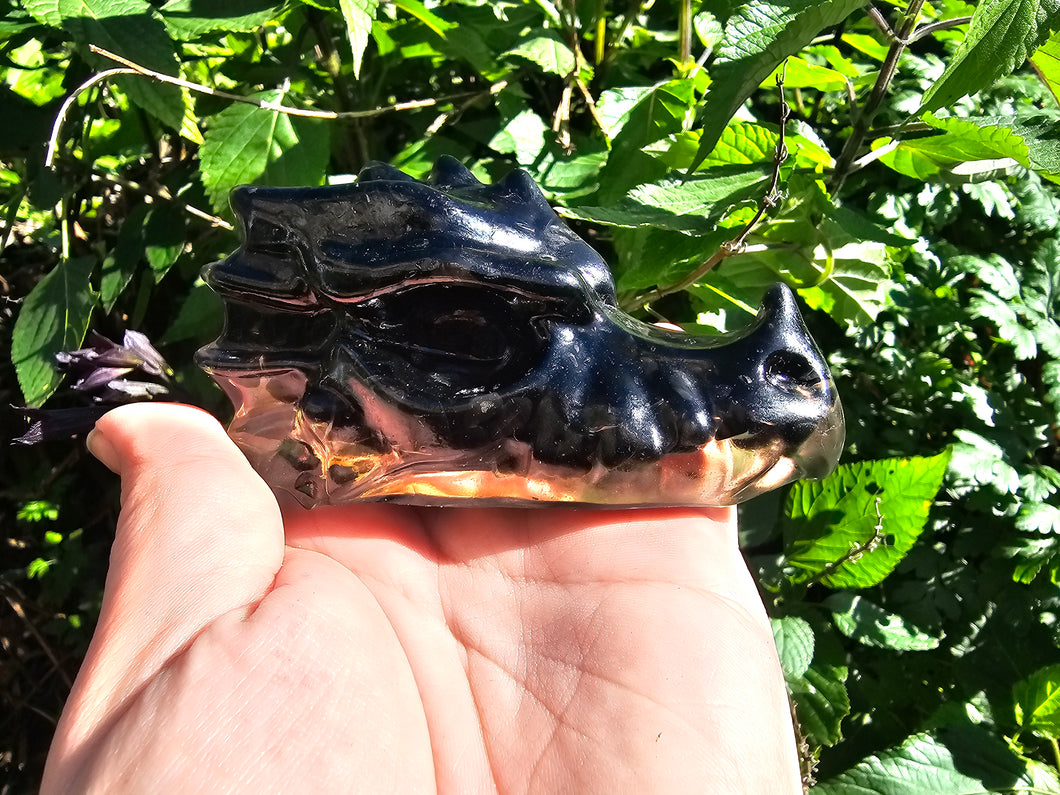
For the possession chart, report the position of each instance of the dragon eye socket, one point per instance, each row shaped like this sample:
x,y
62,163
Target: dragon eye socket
x,y
448,339
790,370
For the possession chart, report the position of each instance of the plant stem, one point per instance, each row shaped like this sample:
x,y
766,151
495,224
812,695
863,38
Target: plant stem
x,y
684,33
864,119
769,201
1056,751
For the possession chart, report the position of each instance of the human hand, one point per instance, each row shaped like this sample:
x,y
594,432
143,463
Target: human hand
x,y
379,648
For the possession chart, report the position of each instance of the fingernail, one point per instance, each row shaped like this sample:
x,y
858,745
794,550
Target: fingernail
x,y
102,449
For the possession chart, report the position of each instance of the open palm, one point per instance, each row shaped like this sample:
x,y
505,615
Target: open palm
x,y
378,648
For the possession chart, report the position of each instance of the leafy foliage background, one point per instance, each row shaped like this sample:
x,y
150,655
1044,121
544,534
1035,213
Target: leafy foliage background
x,y
915,210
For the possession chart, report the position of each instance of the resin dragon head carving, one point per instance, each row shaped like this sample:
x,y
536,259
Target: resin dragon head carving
x,y
448,340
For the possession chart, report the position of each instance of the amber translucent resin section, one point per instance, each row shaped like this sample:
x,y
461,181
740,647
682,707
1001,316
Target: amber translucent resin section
x,y
446,341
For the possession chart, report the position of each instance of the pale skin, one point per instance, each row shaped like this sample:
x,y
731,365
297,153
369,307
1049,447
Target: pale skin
x,y
378,648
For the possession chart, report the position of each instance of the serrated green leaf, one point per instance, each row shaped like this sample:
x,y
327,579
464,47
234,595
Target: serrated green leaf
x,y
830,529
358,15
44,11
1002,34
822,702
246,144
793,637
989,144
1037,702
187,20
648,256
871,625
757,38
925,765
550,54
1046,62
694,205
54,317
132,28
120,264
633,119
740,142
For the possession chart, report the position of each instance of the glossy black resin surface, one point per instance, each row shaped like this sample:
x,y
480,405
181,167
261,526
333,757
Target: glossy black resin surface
x,y
449,340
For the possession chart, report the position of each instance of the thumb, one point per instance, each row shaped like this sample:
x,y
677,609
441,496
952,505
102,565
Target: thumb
x,y
199,536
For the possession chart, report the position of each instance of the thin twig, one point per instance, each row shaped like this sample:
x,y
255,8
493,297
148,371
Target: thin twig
x,y
18,611
161,192
863,122
768,202
60,118
881,23
935,27
414,104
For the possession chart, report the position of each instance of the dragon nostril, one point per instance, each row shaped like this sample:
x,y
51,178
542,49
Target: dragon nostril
x,y
790,370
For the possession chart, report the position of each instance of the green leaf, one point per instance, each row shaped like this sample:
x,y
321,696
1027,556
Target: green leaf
x,y
416,9
44,11
358,15
525,136
822,702
200,317
132,28
1046,62
648,256
1037,702
819,692
694,205
758,37
800,73
1002,34
871,625
187,20
925,765
831,525
164,238
54,317
988,143
634,118
1038,518
794,639
246,144
120,264
549,53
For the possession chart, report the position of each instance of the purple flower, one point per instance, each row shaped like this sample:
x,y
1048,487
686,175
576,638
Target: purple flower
x,y
100,371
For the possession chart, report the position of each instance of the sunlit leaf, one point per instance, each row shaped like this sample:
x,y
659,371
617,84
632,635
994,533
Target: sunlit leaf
x,y
189,19
246,144
794,639
54,317
1002,34
757,38
927,765
133,29
684,206
1046,61
851,529
358,15
867,623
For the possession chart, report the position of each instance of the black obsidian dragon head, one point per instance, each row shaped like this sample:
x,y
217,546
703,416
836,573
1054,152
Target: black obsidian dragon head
x,y
447,340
